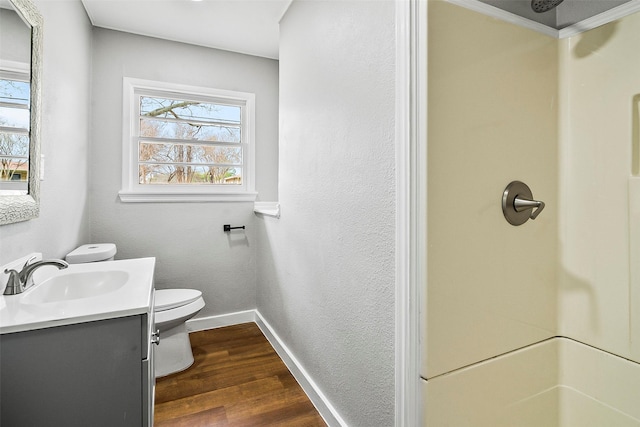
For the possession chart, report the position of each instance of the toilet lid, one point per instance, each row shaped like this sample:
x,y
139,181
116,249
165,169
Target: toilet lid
x,y
166,299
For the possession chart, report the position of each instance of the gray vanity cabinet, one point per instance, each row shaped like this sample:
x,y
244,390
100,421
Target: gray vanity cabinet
x,y
88,374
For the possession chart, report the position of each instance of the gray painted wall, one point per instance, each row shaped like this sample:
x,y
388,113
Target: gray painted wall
x,y
66,98
187,239
326,267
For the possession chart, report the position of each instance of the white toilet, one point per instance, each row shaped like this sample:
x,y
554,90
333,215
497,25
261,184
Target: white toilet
x,y
172,308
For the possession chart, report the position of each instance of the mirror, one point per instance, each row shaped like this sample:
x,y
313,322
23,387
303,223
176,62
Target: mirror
x,y
20,74
15,82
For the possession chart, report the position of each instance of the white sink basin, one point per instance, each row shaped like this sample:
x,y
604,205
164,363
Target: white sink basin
x,y
80,293
76,285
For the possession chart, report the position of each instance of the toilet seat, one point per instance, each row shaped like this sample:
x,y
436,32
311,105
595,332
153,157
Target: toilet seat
x,y
168,319
166,299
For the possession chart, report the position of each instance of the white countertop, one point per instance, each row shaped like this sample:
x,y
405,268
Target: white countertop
x,y
134,298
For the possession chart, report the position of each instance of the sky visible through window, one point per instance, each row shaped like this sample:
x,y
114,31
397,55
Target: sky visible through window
x,y
14,129
189,142
15,93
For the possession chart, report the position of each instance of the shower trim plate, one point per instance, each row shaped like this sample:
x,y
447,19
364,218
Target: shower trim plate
x,y
518,205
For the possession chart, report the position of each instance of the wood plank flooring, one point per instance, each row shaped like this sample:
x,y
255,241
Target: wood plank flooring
x,y
237,379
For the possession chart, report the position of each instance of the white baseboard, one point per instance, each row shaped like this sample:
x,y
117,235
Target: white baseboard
x,y
319,400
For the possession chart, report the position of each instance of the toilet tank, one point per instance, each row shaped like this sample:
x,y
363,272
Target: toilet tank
x,y
92,253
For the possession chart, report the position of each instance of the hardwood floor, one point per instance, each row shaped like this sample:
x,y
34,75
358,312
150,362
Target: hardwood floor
x,y
237,379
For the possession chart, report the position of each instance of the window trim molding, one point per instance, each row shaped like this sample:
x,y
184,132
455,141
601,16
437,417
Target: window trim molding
x,y
15,70
132,192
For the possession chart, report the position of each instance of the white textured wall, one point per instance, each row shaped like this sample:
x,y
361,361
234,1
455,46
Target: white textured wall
x,y
66,103
326,267
186,238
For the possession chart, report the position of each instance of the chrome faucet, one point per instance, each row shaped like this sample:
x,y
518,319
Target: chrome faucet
x,y
19,281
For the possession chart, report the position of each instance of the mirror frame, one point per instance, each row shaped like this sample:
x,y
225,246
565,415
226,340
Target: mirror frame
x,y
22,208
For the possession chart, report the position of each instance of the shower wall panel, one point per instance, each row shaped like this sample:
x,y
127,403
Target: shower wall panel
x,y
517,389
557,383
600,194
492,119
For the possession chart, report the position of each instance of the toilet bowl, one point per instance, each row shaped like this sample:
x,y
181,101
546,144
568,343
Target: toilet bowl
x,y
172,308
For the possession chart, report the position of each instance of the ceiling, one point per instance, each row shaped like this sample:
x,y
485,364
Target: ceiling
x,y
244,26
570,18
251,26
568,13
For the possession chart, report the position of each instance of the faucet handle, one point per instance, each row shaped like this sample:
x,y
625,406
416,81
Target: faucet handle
x,y
21,273
29,261
14,284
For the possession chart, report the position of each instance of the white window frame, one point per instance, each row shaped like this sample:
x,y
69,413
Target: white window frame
x,y
134,192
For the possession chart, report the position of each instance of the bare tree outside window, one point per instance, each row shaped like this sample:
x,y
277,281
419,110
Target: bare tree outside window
x,y
186,143
14,157
189,142
14,130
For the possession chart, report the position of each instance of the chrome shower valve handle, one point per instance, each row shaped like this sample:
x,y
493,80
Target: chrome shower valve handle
x,y
518,205
521,205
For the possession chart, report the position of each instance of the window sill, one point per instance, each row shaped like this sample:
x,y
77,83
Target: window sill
x,y
168,197
267,208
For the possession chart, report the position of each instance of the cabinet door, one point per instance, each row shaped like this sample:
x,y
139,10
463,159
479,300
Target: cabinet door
x,y
81,375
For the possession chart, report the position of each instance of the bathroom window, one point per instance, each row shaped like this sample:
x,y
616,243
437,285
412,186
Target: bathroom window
x,y
185,143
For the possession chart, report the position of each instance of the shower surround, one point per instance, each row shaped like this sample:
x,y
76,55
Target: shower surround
x,y
532,325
